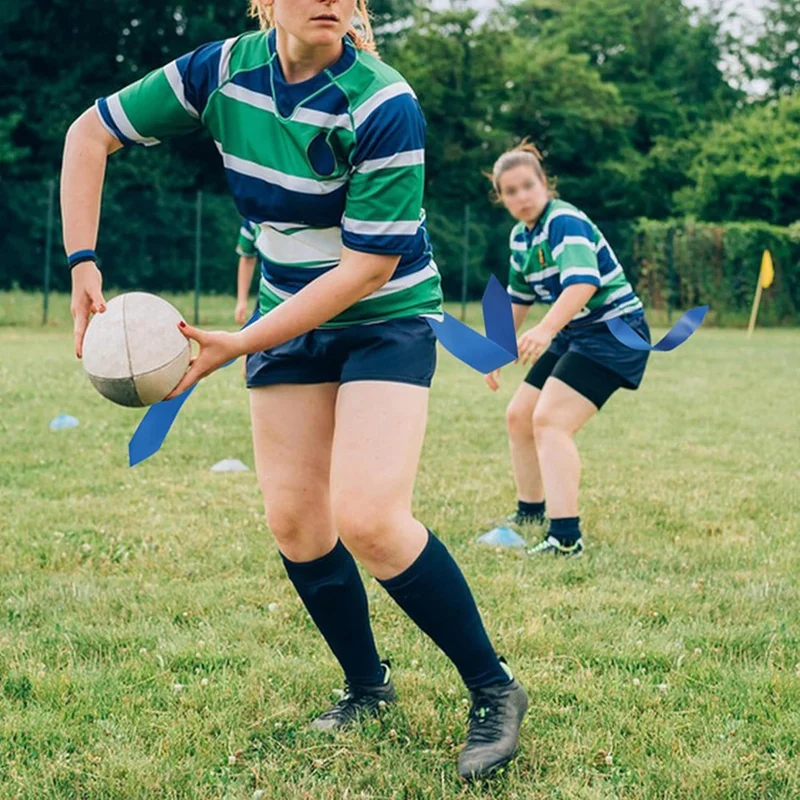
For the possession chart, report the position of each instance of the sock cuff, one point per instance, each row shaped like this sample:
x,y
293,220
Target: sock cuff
x,y
337,559
427,558
564,524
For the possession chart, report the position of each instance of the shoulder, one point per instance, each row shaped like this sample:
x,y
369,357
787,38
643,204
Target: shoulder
x,y
382,72
517,234
372,85
213,63
565,219
248,50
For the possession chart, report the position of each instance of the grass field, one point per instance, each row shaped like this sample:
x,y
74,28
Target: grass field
x,y
152,647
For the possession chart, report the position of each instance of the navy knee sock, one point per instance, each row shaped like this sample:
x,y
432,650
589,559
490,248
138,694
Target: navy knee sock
x,y
566,529
332,591
433,592
534,511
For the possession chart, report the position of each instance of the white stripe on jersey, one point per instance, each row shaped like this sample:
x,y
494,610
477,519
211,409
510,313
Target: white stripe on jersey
x,y
582,240
309,116
361,113
574,272
406,158
175,81
282,179
374,228
124,124
323,246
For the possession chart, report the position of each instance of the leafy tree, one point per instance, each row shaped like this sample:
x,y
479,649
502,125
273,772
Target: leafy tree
x,y
749,166
664,63
779,46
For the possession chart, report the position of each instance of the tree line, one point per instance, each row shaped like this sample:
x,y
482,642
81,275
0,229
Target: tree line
x,y
641,108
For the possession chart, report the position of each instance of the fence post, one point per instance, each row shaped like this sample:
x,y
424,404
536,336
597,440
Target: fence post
x,y
465,265
198,241
48,255
670,270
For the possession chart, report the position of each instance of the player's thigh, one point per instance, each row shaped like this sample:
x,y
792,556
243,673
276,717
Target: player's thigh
x,y
380,429
562,407
292,439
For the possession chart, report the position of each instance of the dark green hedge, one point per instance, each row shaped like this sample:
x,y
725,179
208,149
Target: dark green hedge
x,y
147,241
683,263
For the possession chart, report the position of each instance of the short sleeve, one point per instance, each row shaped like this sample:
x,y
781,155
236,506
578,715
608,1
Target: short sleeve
x,y
169,101
518,287
571,241
246,244
384,197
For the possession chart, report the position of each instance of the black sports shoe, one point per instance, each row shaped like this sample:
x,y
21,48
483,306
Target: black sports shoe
x,y
551,546
358,701
494,722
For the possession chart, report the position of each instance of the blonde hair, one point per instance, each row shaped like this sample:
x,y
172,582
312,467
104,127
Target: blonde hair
x,y
525,154
363,40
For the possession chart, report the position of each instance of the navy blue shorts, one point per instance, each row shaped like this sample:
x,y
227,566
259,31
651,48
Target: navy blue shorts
x,y
592,361
398,351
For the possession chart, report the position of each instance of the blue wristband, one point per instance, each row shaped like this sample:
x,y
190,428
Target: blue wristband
x,y
79,256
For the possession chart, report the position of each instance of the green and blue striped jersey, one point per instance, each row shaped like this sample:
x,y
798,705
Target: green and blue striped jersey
x,y
246,243
336,160
564,248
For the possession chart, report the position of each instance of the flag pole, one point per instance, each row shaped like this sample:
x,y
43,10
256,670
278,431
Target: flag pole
x,y
754,312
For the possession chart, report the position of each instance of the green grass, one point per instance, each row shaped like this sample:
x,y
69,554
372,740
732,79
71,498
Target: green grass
x,y
152,647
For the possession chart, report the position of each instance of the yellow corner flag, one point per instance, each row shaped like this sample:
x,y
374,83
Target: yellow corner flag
x,y
767,274
765,277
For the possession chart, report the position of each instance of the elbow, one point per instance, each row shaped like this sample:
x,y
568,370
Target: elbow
x,y
368,271
587,291
375,274
379,277
87,131
77,130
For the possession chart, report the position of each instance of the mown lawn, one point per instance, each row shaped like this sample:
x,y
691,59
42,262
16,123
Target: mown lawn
x,y
152,647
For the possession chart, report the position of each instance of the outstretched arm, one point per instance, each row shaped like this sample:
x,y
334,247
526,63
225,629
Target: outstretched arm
x,y
86,150
357,275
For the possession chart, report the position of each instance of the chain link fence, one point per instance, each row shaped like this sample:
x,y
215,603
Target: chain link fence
x,y
185,242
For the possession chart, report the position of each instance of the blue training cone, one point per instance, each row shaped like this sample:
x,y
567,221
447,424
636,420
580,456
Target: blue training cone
x,y
502,537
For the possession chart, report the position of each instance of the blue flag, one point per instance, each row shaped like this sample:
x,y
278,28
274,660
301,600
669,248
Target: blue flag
x,y
483,353
156,423
464,343
675,337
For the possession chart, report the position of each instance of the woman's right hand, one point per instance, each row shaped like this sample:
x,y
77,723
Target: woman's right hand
x,y
492,380
87,299
240,314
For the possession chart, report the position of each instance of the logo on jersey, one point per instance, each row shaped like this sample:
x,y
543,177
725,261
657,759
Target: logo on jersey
x,y
542,260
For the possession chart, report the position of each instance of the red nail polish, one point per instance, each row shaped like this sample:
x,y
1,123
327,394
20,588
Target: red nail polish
x,y
182,324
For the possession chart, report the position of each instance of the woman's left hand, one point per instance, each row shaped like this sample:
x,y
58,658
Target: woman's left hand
x,y
216,349
533,343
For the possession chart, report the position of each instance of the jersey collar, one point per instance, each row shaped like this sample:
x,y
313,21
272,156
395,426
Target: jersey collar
x,y
290,95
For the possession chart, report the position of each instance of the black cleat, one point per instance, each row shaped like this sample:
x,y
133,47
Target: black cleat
x,y
493,735
358,702
551,546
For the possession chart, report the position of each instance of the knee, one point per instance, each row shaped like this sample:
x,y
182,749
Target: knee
x,y
546,422
286,524
519,420
302,532
365,527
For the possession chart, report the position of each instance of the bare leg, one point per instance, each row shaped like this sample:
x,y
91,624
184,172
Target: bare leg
x,y
560,413
524,458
